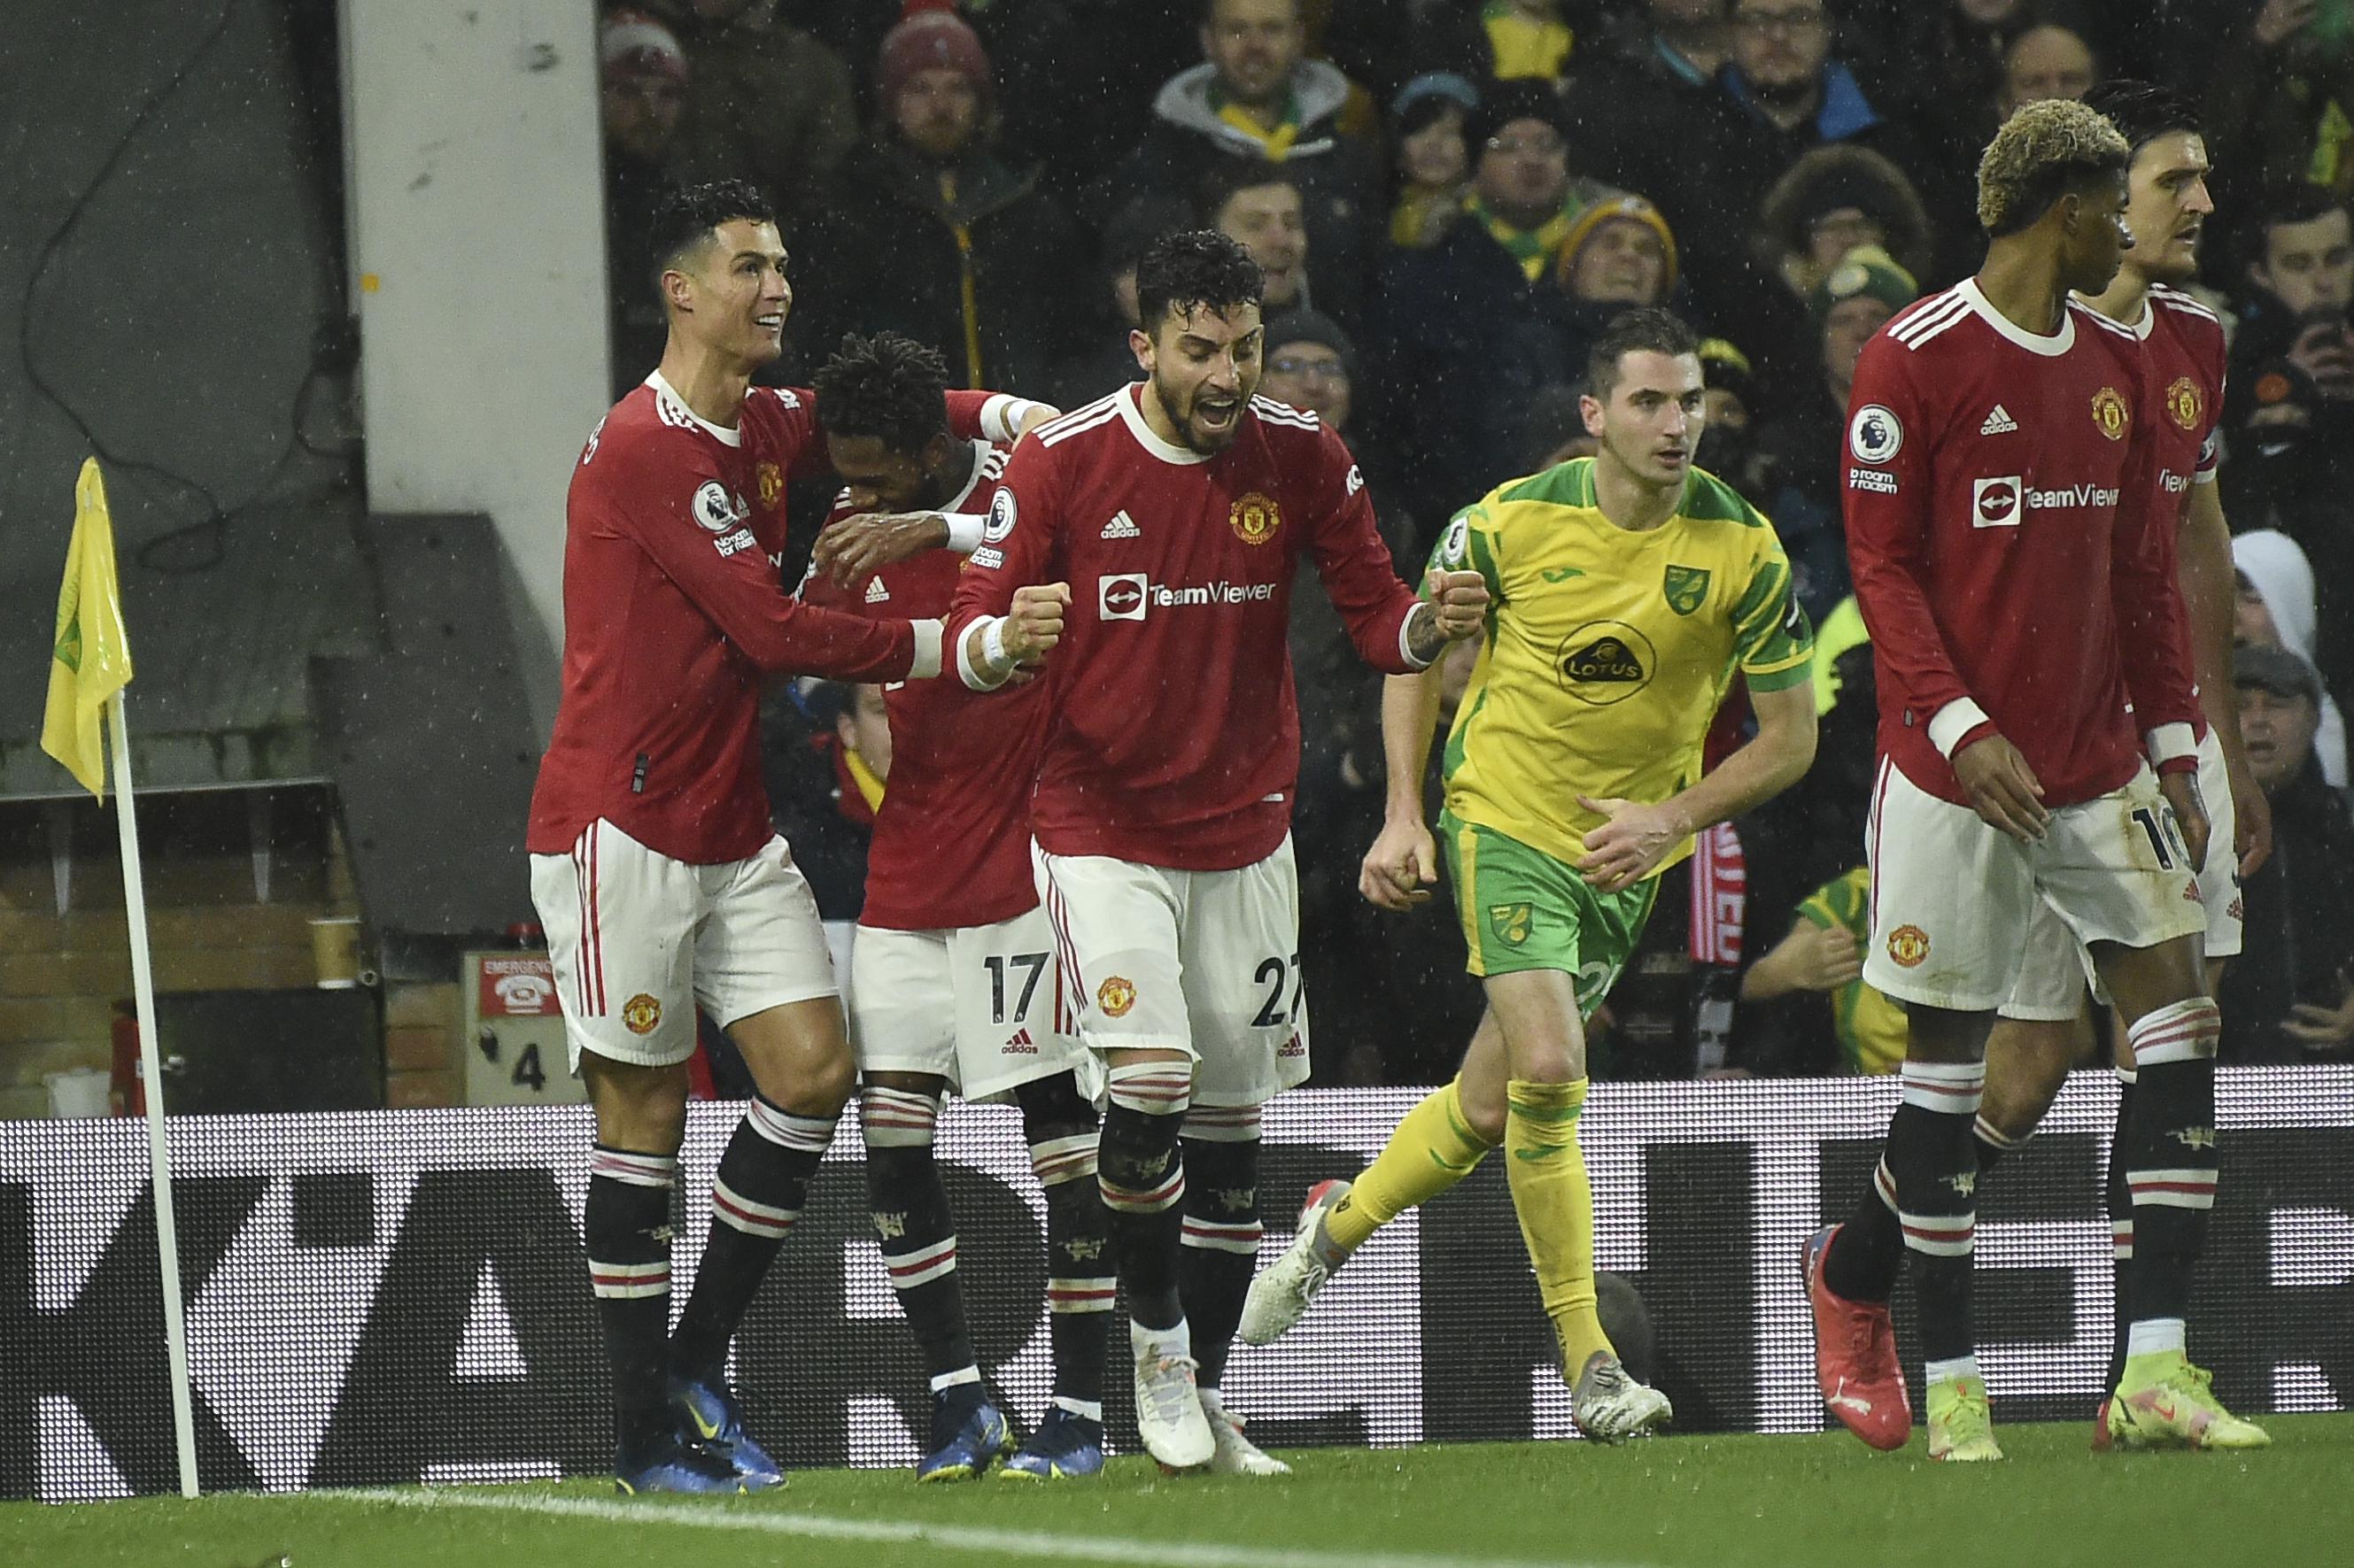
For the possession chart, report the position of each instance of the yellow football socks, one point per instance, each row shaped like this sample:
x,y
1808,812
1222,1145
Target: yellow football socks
x,y
1555,1204
1433,1149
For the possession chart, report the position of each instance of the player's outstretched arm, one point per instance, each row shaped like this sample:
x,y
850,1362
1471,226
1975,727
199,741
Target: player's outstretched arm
x,y
1402,863
1637,837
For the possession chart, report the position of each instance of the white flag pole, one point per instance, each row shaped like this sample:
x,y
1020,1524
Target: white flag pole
x,y
142,990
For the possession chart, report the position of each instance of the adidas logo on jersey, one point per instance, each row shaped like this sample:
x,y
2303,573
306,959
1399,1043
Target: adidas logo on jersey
x,y
1123,527
876,592
1021,1044
1998,423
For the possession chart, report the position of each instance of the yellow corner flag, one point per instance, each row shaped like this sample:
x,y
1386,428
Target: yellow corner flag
x,y
91,659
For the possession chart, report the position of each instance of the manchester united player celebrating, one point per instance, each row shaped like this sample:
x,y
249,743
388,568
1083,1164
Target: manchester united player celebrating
x,y
2029,1052
2001,455
656,874
953,979
1180,509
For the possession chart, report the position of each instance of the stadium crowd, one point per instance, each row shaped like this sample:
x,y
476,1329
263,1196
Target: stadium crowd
x,y
1450,199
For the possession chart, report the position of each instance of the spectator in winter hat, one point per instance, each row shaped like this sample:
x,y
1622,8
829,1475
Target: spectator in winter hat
x,y
933,235
1433,156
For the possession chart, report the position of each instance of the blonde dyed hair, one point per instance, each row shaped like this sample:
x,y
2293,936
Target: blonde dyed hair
x,y
2039,152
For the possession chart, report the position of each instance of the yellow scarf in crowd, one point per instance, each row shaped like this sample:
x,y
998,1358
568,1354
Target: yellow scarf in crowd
x,y
1274,145
1533,249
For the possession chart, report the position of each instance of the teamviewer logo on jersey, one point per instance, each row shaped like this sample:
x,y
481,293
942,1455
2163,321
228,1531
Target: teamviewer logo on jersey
x,y
1995,503
1121,597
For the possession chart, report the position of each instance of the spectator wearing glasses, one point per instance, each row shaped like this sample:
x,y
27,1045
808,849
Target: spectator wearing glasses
x,y
1792,95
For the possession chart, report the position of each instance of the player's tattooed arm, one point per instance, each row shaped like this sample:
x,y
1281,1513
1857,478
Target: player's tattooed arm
x,y
1454,605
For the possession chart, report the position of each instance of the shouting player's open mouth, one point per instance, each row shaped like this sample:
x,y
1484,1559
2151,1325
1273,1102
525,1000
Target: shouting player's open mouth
x,y
1214,414
773,323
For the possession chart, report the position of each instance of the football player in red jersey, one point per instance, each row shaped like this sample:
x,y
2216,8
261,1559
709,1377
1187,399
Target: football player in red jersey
x,y
953,982
1180,509
2031,1049
653,866
2004,479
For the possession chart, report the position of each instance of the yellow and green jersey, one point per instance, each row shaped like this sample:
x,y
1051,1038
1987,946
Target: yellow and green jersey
x,y
1607,651
1872,1029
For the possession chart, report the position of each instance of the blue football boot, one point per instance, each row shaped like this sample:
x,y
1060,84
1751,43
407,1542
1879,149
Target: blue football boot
x,y
676,1463
707,1412
969,1434
1064,1447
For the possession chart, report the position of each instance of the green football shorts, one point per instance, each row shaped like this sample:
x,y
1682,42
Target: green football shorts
x,y
1522,909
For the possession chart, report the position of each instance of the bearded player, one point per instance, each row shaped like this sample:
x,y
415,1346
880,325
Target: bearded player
x,y
1179,509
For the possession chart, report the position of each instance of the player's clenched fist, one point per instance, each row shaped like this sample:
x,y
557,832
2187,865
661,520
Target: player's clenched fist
x,y
1035,624
1461,600
1399,868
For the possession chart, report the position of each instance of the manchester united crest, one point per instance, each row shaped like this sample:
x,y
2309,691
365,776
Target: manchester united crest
x,y
2109,412
1256,518
642,1013
1907,947
772,486
1115,996
2184,404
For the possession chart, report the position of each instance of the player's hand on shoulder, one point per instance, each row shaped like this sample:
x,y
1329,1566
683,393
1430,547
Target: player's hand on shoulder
x,y
1034,622
851,549
1460,599
1633,839
2002,789
1401,867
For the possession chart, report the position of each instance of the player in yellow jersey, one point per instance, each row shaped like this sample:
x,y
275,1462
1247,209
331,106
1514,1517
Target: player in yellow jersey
x,y
1625,590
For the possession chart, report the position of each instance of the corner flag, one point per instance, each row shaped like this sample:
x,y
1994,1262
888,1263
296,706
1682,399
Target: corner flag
x,y
90,659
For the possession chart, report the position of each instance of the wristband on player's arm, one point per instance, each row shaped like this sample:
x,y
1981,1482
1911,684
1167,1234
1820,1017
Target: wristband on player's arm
x,y
993,656
964,531
2172,747
1959,724
927,663
1002,414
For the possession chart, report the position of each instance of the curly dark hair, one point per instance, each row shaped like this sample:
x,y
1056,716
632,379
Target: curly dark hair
x,y
1648,330
888,386
1194,268
2048,149
684,218
2142,110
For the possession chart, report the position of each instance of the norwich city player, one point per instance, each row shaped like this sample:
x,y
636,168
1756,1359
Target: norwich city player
x,y
1625,589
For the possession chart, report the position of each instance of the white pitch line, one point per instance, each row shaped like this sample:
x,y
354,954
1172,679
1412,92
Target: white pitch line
x,y
1030,1543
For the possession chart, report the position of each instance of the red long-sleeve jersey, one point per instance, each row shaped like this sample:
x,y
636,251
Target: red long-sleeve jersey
x,y
672,612
1174,739
2009,541
951,846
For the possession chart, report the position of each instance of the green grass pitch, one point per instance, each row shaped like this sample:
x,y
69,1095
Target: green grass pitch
x,y
1675,1502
